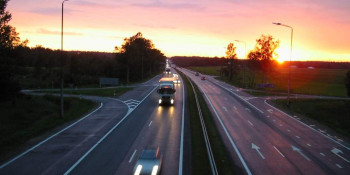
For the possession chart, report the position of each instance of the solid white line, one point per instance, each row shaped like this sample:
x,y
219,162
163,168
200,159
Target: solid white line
x,y
132,156
250,123
32,148
339,166
150,124
348,148
104,137
228,135
182,130
278,151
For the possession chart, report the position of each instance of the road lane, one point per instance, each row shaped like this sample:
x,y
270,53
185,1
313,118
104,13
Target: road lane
x,y
149,125
270,142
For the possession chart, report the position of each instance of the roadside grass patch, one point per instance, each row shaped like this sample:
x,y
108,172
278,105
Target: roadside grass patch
x,y
102,92
332,113
200,160
26,117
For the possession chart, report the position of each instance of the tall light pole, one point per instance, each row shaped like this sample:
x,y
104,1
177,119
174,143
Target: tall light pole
x,y
290,56
245,54
61,89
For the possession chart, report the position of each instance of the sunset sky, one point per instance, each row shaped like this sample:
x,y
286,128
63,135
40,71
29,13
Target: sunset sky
x,y
183,27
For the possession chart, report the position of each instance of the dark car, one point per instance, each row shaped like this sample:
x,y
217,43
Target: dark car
x,y
149,162
203,78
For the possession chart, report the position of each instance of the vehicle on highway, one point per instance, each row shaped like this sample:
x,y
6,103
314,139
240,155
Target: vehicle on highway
x,y
203,78
167,71
149,162
166,91
176,78
197,74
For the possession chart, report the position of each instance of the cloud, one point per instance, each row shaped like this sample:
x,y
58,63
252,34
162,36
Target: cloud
x,y
50,32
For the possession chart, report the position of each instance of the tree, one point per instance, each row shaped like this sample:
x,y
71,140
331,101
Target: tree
x,y
231,56
8,36
261,58
347,82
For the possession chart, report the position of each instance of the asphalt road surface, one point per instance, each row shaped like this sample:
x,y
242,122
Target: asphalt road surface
x,y
263,140
104,141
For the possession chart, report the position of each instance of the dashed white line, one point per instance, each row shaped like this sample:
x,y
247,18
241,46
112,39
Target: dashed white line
x,y
297,137
268,116
225,109
247,109
274,120
308,144
250,123
132,156
281,125
278,151
150,124
338,165
288,130
322,154
270,110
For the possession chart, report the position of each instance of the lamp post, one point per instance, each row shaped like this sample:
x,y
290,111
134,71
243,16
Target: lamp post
x,y
61,88
290,57
245,54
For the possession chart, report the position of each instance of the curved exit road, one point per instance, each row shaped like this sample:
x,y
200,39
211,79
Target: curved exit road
x,y
263,140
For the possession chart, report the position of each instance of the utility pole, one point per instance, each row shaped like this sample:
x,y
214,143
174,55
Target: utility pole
x,y
62,62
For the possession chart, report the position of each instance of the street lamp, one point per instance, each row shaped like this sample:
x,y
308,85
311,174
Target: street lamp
x,y
290,58
245,54
61,89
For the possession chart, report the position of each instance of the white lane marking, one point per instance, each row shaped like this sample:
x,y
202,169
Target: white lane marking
x,y
274,120
105,136
132,156
281,125
250,123
278,151
257,150
225,109
297,137
268,116
270,110
322,154
182,130
228,135
337,152
150,124
348,148
235,108
308,144
338,165
247,109
288,130
42,142
299,151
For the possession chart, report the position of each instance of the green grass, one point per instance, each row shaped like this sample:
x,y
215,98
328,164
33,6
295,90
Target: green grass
x,y
102,92
327,82
200,161
332,113
263,93
26,117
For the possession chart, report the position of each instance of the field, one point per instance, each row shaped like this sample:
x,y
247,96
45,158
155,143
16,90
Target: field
x,y
333,113
328,82
102,92
26,117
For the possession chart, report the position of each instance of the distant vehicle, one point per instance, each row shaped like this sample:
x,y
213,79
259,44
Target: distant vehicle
x,y
167,71
166,91
176,78
197,74
149,162
203,78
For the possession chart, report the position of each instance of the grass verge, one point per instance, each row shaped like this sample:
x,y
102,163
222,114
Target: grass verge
x,y
200,161
26,117
332,113
102,92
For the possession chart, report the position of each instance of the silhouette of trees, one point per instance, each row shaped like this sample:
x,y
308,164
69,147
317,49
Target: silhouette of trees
x,y
347,82
137,58
261,58
231,57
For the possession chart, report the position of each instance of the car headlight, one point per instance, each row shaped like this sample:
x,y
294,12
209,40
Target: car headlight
x,y
138,170
172,101
155,170
160,101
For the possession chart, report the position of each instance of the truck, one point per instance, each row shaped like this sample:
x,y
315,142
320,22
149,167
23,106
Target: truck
x,y
166,91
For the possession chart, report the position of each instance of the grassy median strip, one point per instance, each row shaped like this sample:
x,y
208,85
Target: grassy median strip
x,y
26,117
332,113
102,92
200,161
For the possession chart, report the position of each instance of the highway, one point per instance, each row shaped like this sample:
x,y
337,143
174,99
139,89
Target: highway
x,y
264,140
109,139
